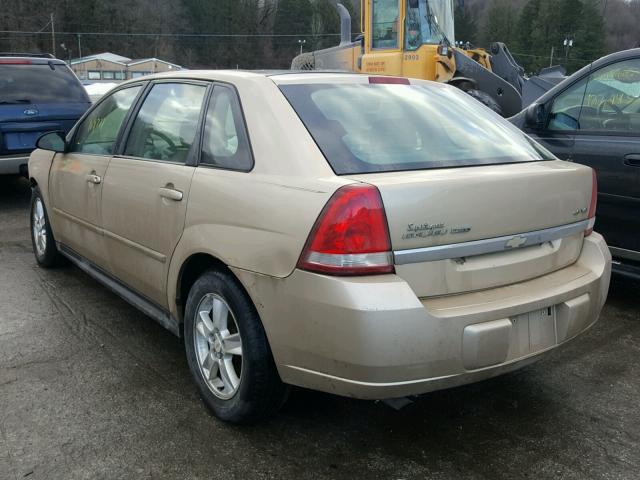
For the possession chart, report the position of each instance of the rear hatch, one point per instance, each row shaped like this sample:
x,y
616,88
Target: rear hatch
x,y
36,96
460,230
471,201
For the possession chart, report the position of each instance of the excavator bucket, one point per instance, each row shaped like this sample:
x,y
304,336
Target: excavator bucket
x,y
538,85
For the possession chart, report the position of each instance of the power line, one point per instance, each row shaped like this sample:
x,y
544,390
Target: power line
x,y
545,57
212,35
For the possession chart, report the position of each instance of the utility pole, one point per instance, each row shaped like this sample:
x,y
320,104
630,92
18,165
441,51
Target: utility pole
x,y
79,47
568,43
551,59
53,37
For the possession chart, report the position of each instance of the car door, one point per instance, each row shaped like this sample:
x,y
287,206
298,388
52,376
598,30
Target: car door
x,y
608,139
147,186
76,177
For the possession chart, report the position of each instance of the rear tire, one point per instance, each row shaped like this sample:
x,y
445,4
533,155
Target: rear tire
x,y
228,352
485,99
42,240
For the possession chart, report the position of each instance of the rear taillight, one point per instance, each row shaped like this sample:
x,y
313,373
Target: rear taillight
x,y
10,61
389,80
592,205
351,236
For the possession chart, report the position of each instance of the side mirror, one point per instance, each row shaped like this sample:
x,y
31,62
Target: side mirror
x,y
52,141
534,116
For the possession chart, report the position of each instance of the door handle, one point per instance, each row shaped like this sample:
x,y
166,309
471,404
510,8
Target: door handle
x,y
632,160
171,194
95,179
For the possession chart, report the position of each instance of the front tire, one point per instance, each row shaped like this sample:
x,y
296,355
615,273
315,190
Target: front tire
x,y
228,352
44,245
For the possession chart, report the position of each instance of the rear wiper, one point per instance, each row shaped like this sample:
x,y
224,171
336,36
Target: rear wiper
x,y
13,102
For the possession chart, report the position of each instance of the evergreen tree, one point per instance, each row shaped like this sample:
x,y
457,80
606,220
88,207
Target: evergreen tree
x,y
545,36
523,47
500,26
590,36
293,18
465,24
568,23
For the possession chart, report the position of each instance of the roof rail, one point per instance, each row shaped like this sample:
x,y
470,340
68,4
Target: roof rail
x,y
29,55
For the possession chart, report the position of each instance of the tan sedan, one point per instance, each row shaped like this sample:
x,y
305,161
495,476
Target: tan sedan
x,y
372,237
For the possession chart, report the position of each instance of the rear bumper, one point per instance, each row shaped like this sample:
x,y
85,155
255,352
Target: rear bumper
x,y
10,165
372,338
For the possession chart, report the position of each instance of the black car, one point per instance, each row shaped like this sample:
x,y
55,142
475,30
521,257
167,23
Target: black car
x,y
38,94
593,118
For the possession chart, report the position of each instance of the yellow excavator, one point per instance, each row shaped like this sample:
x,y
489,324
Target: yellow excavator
x,y
416,39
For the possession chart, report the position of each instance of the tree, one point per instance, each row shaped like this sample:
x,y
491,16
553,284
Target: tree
x,y
244,29
523,47
465,23
590,37
500,25
292,23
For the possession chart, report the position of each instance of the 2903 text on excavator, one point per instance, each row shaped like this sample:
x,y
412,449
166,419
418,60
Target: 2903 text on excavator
x,y
416,39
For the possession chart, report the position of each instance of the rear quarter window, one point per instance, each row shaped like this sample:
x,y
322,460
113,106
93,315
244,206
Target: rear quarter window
x,y
367,128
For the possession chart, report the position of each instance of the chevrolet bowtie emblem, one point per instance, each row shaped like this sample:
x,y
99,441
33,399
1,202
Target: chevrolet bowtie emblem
x,y
516,242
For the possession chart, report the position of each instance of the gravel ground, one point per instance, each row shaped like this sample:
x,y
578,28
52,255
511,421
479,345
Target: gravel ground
x,y
91,388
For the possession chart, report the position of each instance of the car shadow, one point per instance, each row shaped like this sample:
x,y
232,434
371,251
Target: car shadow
x,y
14,192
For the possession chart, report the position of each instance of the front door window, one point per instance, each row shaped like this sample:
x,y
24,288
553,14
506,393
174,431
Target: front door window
x,y
612,100
605,102
98,132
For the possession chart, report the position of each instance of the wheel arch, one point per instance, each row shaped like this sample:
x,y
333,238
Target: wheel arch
x,y
190,270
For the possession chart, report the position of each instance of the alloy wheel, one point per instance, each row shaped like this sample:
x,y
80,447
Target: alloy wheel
x,y
39,227
218,346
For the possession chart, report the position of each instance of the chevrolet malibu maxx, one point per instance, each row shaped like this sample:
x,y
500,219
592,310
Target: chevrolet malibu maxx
x,y
373,237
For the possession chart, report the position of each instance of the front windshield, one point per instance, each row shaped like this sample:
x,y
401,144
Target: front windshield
x,y
429,22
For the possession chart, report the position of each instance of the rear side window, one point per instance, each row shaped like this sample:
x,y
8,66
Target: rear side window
x,y
33,83
98,132
364,128
225,142
167,123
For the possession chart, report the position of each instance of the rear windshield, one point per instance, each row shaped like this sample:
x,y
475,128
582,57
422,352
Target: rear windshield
x,y
365,128
39,84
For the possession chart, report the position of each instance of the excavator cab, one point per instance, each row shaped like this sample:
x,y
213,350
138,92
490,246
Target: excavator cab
x,y
403,37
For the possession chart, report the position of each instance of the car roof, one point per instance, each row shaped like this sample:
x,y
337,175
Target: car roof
x,y
617,56
216,74
276,76
32,58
